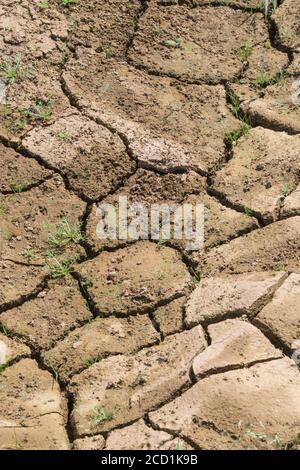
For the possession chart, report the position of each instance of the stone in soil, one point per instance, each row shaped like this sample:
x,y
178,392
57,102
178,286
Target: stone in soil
x,y
17,282
165,122
234,344
18,172
11,349
93,159
291,204
121,389
238,405
29,219
134,279
281,316
265,166
190,42
33,413
48,317
218,298
94,341
287,20
274,247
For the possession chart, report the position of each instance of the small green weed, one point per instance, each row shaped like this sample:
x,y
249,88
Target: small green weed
x,y
11,69
64,233
60,269
102,415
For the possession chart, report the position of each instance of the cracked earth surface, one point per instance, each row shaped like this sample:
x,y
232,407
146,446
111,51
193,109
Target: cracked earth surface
x,y
143,345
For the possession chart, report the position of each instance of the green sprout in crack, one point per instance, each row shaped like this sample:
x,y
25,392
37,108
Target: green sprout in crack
x,y
92,360
232,137
5,330
3,367
133,24
41,111
65,232
196,278
60,269
286,189
11,69
270,6
55,373
20,186
234,103
248,211
181,445
264,79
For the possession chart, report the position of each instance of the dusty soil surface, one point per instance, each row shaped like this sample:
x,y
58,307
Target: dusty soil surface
x,y
123,344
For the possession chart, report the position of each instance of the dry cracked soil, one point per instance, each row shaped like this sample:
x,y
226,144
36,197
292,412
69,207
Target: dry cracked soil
x,y
123,344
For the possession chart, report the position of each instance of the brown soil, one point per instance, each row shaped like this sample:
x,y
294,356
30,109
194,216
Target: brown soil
x,y
124,344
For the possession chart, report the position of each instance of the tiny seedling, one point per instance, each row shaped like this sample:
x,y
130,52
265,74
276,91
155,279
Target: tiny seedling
x,y
264,79
286,189
248,211
92,360
40,111
133,25
101,415
64,233
29,254
68,3
157,29
234,103
60,269
11,69
174,43
181,445
20,186
55,373
3,367
232,137
244,52
64,135
18,125
6,331
196,278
